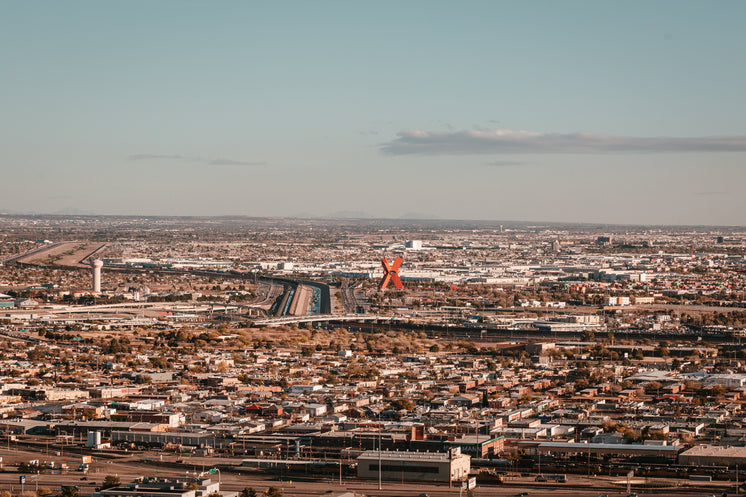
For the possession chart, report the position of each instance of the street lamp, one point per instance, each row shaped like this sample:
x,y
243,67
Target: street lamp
x,y
210,472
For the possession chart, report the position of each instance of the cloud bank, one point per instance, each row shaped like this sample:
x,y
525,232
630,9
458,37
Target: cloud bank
x,y
506,141
505,163
211,162
712,193
231,162
156,157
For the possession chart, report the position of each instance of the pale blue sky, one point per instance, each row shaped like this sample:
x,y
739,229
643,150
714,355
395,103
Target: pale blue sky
x,y
545,111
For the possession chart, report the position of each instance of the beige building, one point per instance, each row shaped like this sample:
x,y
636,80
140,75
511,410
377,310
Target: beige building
x,y
414,466
713,455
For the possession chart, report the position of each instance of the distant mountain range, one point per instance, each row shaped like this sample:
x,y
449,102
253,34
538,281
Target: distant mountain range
x,y
348,214
67,211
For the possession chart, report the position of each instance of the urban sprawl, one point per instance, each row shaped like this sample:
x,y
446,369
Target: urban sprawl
x,y
189,357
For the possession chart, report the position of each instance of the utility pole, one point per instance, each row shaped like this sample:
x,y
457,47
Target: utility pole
x,y
629,481
380,452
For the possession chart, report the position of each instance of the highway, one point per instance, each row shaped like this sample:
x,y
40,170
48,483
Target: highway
x,y
63,254
80,251
349,300
36,251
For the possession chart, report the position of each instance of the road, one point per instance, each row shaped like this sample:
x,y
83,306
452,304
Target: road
x,y
68,254
149,464
291,487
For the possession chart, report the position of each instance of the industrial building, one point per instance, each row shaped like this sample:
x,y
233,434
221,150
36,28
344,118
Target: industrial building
x,y
201,439
478,446
713,455
166,487
414,466
664,453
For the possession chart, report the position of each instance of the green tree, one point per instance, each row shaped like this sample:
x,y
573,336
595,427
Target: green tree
x,y
248,492
70,491
35,355
34,468
273,492
652,387
159,362
716,390
110,481
402,403
143,379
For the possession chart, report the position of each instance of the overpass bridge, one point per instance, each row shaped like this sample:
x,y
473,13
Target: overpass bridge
x,y
325,318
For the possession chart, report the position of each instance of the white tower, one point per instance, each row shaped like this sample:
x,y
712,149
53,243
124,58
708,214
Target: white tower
x,y
97,265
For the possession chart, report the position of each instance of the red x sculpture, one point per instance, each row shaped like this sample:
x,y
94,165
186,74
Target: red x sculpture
x,y
391,274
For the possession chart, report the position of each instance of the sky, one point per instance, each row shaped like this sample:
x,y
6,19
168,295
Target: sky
x,y
576,111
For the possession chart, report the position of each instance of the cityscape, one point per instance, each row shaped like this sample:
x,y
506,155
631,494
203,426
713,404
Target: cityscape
x,y
504,357
412,248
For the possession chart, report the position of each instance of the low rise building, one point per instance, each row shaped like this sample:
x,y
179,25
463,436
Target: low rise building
x,y
166,487
414,466
713,455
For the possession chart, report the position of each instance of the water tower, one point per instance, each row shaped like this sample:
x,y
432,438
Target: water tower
x,y
97,264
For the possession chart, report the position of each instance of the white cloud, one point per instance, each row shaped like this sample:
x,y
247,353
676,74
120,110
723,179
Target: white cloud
x,y
506,141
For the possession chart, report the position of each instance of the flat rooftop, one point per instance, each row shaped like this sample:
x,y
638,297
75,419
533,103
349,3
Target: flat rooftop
x,y
407,455
715,451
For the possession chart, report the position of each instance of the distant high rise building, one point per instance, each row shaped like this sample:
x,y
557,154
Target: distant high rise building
x,y
603,240
413,245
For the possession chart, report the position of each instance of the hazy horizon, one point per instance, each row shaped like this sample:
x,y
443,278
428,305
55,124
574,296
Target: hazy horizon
x,y
424,220
568,112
